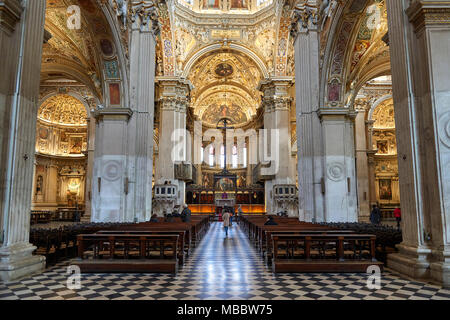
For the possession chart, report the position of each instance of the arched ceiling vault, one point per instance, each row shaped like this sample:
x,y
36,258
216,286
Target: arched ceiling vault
x,y
225,85
77,53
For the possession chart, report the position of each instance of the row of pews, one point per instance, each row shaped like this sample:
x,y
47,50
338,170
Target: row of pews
x,y
58,244
161,247
295,246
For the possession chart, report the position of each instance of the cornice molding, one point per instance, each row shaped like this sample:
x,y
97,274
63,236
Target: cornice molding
x,y
423,13
10,12
113,114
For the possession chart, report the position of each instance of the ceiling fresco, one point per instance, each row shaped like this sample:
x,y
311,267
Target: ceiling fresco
x,y
225,85
76,53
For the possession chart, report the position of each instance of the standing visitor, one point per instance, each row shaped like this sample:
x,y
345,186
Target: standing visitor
x,y
239,213
375,215
398,216
186,214
226,222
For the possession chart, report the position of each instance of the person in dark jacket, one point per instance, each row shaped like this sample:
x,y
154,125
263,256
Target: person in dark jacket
x,y
375,215
270,221
168,218
186,214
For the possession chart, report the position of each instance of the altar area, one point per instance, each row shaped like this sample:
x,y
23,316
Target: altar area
x,y
212,197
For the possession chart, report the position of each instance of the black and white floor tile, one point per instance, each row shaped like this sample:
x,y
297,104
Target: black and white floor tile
x,y
220,269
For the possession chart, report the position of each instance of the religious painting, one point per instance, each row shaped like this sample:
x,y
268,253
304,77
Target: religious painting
x,y
114,94
224,70
76,144
241,182
107,47
214,113
211,4
334,91
206,180
225,184
385,189
383,147
111,69
239,4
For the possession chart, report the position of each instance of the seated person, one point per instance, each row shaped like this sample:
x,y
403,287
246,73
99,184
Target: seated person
x,y
270,221
175,212
168,218
154,218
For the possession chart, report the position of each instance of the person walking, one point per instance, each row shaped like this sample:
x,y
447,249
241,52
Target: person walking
x,y
226,222
398,216
375,215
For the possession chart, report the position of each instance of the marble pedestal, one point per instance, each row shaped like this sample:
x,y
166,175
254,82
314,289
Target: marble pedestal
x,y
17,261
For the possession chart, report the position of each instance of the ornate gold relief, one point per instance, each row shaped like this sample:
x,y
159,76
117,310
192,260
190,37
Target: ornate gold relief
x,y
63,109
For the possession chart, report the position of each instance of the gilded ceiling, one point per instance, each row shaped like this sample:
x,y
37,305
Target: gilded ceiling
x,y
262,26
76,53
63,109
225,85
225,6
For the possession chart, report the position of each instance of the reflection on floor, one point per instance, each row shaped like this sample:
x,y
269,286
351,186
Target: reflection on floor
x,y
219,269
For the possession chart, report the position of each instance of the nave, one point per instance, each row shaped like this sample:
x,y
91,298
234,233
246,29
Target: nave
x,y
219,269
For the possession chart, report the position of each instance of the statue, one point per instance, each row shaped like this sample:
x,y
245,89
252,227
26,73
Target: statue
x,y
326,10
121,8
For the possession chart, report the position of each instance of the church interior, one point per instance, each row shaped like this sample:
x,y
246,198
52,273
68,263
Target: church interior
x,y
329,117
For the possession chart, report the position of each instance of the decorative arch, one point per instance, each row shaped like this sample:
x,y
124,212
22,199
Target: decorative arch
x,y
217,47
341,41
75,95
376,104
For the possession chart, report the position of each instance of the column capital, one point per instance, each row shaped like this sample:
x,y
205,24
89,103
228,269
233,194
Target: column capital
x,y
306,16
276,93
424,13
174,93
144,16
276,86
10,12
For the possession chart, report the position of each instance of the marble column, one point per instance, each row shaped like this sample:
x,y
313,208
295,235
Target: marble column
x,y
173,103
362,166
326,152
21,38
123,166
339,164
309,131
277,104
140,149
89,170
371,164
419,33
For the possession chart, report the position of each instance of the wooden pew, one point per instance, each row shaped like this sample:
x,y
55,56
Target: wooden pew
x,y
294,253
267,250
128,253
180,233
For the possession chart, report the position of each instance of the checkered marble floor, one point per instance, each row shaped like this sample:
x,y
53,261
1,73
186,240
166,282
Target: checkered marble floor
x,y
223,269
